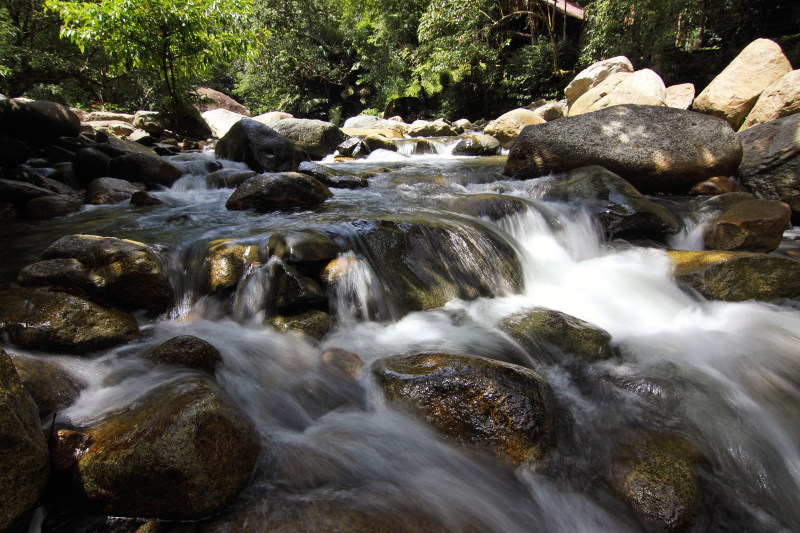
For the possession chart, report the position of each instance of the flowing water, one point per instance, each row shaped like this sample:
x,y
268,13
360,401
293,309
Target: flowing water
x,y
725,376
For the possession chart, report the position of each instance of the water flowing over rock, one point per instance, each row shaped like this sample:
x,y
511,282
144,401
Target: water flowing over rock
x,y
770,165
733,93
622,211
507,127
126,273
144,168
503,408
657,149
303,246
50,386
189,351
316,137
269,192
39,122
542,331
259,146
779,100
313,323
738,276
477,145
715,185
752,225
182,452
594,74
53,320
24,463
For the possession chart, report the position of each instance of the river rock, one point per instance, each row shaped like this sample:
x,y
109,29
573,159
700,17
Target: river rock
x,y
144,168
715,185
314,323
108,116
270,192
486,205
316,137
478,145
13,151
271,117
144,198
622,211
680,96
779,100
732,94
589,99
552,111
44,319
91,163
24,463
150,121
211,99
227,178
737,276
290,290
380,142
224,263
367,122
303,246
771,161
353,147
437,128
503,408
37,121
594,74
20,193
126,273
50,386
507,127
658,478
113,127
752,225
342,361
189,351
333,178
259,146
656,149
643,87
541,330
184,451
110,191
47,207
422,265
221,120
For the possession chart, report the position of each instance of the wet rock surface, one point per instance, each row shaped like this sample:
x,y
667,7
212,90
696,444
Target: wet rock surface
x,y
269,192
189,351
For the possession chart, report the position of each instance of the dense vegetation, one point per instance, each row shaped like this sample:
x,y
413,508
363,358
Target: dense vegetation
x,y
335,58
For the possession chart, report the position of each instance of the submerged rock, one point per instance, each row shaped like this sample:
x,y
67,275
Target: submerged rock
x,y
182,452
189,351
737,276
506,409
270,192
751,225
342,361
24,462
53,320
542,330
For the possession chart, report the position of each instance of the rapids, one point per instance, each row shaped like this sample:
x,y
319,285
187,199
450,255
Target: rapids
x,y
726,376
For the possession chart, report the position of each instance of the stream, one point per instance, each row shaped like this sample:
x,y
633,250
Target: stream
x,y
726,376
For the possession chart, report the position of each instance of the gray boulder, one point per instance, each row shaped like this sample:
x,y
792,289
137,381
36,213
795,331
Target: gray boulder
x,y
38,122
47,207
316,137
259,146
657,149
144,168
110,191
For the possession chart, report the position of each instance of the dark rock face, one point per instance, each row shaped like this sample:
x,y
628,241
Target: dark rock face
x,y
39,122
270,192
259,146
144,198
126,273
52,320
291,290
188,350
47,207
303,246
110,191
656,149
752,225
91,163
24,463
622,210
503,408
771,162
183,452
144,168
314,323
51,387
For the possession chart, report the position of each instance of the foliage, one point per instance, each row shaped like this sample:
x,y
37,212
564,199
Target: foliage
x,y
172,41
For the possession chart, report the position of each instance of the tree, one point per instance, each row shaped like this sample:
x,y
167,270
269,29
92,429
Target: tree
x,y
171,40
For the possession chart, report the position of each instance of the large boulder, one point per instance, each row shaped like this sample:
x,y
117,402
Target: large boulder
x,y
367,122
271,117
594,74
503,408
622,211
24,459
221,120
184,451
751,225
51,387
507,127
211,99
150,121
110,191
732,94
123,272
552,110
425,128
737,276
680,96
589,99
44,319
657,149
479,145
38,122
47,207
643,87
303,246
144,168
259,146
270,192
316,137
189,351
771,161
779,100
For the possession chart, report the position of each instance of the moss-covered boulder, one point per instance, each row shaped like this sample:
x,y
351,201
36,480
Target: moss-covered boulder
x,y
47,319
303,246
543,331
755,225
182,452
314,323
224,263
24,463
503,408
658,478
189,351
737,276
51,387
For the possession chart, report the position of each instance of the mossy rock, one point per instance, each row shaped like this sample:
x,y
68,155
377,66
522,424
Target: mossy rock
x,y
737,276
189,351
51,387
302,246
224,263
503,408
314,323
544,330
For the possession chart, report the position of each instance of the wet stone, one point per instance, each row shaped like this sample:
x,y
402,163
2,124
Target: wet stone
x,y
189,351
51,387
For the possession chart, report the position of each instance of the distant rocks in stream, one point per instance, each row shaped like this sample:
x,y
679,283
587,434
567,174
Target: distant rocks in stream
x,y
273,191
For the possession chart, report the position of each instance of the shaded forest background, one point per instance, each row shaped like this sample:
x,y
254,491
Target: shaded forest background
x,y
332,59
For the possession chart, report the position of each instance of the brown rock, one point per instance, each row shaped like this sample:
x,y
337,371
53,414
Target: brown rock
x,y
752,225
189,351
680,96
779,100
715,185
508,126
270,192
51,387
213,99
